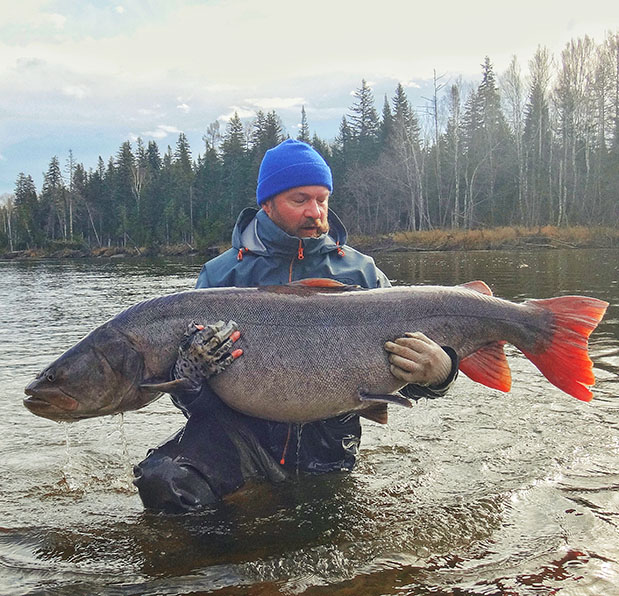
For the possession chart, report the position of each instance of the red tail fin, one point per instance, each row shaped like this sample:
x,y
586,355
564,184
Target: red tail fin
x,y
564,361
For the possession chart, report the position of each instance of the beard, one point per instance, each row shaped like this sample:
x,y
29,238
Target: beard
x,y
313,228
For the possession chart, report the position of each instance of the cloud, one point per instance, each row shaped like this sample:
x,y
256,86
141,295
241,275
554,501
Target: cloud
x,y
119,9
276,103
161,132
242,112
149,112
55,19
183,107
77,91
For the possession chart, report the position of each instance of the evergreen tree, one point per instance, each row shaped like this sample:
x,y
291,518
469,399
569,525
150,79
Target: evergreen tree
x,y
537,144
404,146
267,132
53,202
304,131
452,140
364,125
182,197
386,124
123,197
211,215
486,140
27,232
236,169
153,200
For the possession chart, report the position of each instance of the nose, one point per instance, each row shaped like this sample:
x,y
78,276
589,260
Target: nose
x,y
313,210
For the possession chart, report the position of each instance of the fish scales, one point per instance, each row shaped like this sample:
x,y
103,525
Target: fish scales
x,y
309,359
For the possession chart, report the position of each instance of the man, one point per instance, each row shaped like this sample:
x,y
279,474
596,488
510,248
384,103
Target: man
x,y
292,236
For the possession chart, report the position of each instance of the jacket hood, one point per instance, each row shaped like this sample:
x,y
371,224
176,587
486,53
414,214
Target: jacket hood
x,y
256,232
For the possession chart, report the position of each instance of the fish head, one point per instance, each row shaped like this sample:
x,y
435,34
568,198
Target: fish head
x,y
99,375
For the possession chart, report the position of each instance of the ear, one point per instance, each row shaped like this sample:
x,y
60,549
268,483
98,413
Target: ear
x,y
267,206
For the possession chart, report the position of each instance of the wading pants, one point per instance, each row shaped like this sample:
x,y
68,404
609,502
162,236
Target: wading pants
x,y
219,449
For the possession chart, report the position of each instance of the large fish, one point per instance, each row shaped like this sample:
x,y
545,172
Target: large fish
x,y
315,349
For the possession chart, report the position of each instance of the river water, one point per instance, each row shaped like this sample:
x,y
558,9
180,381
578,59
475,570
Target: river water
x,y
476,493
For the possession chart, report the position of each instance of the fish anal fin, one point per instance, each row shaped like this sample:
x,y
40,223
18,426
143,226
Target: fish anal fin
x,y
478,286
488,366
386,398
376,412
563,358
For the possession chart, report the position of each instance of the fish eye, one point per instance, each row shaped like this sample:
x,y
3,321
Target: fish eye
x,y
50,376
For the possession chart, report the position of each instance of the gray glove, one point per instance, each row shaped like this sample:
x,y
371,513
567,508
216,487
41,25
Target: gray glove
x,y
206,350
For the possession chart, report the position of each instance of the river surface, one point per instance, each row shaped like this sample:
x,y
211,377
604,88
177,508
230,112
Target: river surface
x,y
476,493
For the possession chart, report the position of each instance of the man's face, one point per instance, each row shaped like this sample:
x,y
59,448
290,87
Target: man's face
x,y
300,211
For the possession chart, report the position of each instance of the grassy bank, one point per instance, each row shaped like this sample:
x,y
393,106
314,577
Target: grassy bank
x,y
487,239
492,238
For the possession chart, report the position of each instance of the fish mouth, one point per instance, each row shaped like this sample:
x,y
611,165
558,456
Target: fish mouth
x,y
49,402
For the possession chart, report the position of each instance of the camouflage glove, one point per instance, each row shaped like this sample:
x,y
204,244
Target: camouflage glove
x,y
206,351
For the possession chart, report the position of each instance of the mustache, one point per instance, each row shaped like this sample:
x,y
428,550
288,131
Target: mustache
x,y
322,225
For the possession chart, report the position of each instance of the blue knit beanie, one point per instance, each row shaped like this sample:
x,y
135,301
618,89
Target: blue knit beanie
x,y
291,164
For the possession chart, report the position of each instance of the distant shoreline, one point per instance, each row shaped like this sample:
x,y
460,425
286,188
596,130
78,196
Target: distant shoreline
x,y
505,238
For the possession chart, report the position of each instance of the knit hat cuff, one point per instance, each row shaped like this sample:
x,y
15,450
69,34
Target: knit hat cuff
x,y
299,174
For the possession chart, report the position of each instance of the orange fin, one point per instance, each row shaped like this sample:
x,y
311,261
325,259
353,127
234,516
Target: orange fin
x,y
564,359
478,286
321,282
489,367
309,286
376,412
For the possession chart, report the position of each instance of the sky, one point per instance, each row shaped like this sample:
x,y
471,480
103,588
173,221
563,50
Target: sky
x,y
86,76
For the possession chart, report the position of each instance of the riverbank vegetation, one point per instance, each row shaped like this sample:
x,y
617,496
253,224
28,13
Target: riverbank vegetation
x,y
505,238
476,167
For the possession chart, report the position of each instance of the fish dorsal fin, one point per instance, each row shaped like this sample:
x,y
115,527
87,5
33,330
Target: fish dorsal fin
x,y
318,282
488,366
478,286
323,283
310,286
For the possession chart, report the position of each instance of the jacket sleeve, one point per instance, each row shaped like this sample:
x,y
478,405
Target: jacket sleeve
x,y
382,281
203,281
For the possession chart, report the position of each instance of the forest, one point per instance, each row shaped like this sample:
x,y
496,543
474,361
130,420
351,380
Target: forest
x,y
517,149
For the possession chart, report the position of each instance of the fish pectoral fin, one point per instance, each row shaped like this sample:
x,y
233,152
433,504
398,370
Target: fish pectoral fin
x,y
376,412
177,385
488,366
385,398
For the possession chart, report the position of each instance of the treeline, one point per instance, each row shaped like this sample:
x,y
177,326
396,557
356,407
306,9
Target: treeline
x,y
513,150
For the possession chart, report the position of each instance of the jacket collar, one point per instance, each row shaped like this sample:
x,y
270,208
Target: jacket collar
x,y
256,232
